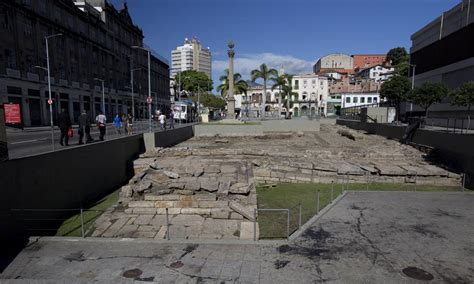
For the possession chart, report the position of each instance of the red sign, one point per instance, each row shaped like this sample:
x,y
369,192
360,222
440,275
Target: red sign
x,y
50,101
12,113
148,100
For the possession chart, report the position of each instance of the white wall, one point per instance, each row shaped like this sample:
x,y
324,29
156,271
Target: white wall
x,y
358,99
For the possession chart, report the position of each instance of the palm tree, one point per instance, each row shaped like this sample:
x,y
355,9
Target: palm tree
x,y
264,73
240,86
288,92
280,81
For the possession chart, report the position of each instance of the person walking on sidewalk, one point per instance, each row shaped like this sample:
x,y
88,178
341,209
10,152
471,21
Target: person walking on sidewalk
x,y
118,124
85,127
162,119
101,120
130,124
64,123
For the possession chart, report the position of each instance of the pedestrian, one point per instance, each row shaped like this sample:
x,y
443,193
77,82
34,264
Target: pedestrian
x,y
130,124
124,123
118,124
172,119
84,127
101,124
64,123
162,119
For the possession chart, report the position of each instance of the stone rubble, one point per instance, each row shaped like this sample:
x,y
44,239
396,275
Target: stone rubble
x,y
208,185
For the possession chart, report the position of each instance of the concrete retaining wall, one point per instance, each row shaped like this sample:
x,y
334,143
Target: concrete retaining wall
x,y
454,150
265,126
71,178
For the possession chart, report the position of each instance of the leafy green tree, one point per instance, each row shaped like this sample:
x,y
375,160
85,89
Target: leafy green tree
x,y
210,100
263,73
428,94
279,82
395,91
193,81
240,86
464,96
397,55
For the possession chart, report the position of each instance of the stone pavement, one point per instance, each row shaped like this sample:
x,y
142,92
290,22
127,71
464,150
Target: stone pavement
x,y
367,237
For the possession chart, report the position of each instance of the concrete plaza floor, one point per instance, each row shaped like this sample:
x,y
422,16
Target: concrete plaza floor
x,y
367,237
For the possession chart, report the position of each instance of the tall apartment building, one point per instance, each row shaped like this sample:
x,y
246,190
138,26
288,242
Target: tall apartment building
x,y
96,42
191,56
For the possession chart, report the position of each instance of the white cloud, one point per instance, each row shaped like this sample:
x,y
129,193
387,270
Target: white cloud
x,y
245,63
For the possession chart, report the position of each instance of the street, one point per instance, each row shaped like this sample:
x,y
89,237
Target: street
x,y
23,143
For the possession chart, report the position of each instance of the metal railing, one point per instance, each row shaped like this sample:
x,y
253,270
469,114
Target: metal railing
x,y
455,125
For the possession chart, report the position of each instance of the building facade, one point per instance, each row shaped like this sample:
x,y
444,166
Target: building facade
x,y
377,73
359,99
443,52
335,61
191,56
95,43
311,97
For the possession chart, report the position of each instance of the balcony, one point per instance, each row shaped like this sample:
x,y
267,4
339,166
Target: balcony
x,y
13,73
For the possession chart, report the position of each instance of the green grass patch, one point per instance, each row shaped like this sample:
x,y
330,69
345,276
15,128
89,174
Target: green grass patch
x,y
72,226
273,224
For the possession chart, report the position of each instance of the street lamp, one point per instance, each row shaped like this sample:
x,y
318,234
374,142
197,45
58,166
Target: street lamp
x,y
412,82
149,82
50,100
103,94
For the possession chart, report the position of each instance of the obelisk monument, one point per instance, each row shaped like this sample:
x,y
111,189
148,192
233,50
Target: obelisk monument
x,y
230,94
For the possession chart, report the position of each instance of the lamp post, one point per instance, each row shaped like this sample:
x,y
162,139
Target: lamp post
x,y
50,100
149,83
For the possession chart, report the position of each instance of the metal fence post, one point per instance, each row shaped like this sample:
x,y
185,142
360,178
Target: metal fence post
x,y
288,225
299,219
317,204
463,181
167,226
255,224
82,224
332,191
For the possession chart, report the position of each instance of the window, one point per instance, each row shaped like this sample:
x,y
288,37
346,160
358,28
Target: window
x,y
313,81
27,28
348,99
355,100
369,100
362,100
375,99
11,58
320,97
296,85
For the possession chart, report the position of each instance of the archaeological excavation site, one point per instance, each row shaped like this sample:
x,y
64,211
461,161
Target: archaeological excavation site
x,y
206,187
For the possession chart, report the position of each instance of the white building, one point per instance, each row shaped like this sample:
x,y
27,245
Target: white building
x,y
191,56
358,99
312,97
377,73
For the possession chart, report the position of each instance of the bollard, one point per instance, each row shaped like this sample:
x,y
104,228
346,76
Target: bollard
x,y
299,219
255,224
317,204
288,225
332,191
463,181
82,224
167,226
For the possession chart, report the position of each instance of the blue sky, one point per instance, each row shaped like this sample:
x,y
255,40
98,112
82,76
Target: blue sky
x,y
291,34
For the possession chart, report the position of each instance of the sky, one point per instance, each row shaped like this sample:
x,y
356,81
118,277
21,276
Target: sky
x,y
291,34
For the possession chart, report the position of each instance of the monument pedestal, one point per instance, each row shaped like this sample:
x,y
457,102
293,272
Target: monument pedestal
x,y
230,108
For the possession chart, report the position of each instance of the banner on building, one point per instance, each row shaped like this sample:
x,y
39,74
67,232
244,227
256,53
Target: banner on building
x,y
12,113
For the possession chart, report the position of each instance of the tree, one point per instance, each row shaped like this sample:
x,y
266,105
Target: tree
x,y
279,82
210,100
240,86
193,81
395,90
263,73
428,94
397,55
464,96
287,89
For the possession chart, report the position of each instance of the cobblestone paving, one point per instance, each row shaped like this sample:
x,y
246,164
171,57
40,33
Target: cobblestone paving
x,y
367,237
